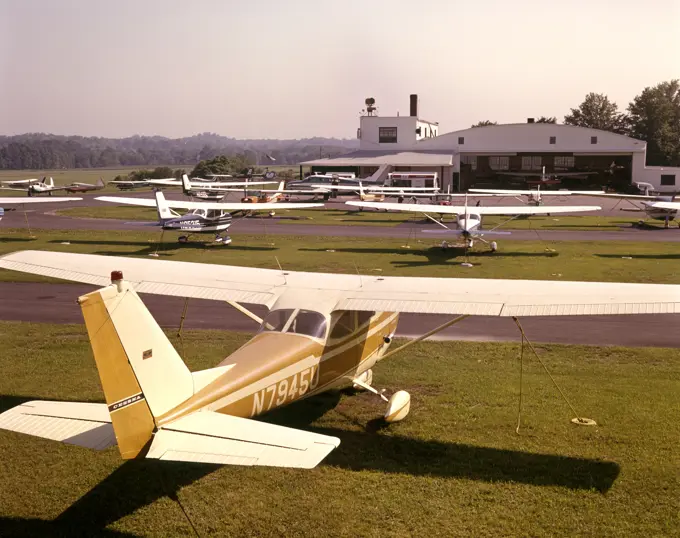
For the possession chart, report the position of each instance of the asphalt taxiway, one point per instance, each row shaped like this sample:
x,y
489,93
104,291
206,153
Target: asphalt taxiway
x,y
56,303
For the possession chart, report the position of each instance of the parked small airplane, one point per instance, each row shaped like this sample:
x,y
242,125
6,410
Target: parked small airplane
x,y
469,219
20,200
203,217
323,331
534,196
655,206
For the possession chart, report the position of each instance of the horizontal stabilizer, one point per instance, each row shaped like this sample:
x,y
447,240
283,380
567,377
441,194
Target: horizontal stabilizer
x,y
83,424
208,437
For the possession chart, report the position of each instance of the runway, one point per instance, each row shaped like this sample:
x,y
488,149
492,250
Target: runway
x,y
43,217
56,303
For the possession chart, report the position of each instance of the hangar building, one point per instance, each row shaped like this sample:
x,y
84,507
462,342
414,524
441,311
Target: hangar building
x,y
481,156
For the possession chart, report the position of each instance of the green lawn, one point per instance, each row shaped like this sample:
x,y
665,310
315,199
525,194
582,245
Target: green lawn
x,y
613,261
454,467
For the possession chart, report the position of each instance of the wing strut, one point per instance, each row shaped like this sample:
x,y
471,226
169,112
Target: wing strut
x,y
245,311
426,335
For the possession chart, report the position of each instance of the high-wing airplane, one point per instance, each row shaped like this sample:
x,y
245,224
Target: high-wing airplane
x,y
20,200
32,186
546,179
469,219
322,332
533,196
203,217
656,207
205,190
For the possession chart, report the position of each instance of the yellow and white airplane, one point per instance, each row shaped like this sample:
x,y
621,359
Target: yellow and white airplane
x,y
469,219
323,331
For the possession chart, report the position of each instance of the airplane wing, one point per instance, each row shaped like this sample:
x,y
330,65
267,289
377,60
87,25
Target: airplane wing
x,y
482,297
33,200
25,189
620,196
479,210
664,205
20,182
511,192
206,185
226,206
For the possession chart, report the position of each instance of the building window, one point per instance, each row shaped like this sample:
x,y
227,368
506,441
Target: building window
x,y
553,140
499,163
461,140
593,140
667,180
565,161
532,162
387,135
469,159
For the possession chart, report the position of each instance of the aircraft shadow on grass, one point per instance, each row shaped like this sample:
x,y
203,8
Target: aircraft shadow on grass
x,y
369,449
436,255
139,483
641,256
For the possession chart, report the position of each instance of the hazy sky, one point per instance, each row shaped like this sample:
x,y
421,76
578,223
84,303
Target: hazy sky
x,y
298,68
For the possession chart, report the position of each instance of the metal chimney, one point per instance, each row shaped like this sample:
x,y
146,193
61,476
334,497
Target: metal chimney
x,y
414,105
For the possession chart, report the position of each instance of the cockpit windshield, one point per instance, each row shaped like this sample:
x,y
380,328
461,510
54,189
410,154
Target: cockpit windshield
x,y
297,321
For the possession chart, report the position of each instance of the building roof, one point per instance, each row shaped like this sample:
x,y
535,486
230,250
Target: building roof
x,y
378,158
528,137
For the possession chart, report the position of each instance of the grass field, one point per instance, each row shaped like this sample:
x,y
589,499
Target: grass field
x,y
374,218
454,467
612,261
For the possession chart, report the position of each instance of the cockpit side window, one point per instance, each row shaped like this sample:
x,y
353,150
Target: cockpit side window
x,y
199,212
296,321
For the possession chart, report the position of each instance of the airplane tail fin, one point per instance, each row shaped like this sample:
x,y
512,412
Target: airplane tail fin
x,y
186,184
164,212
100,182
141,374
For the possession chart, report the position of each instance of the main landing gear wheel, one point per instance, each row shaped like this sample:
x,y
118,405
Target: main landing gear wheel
x,y
183,239
398,405
494,246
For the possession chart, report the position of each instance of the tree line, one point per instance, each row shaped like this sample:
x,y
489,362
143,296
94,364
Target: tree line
x,y
42,151
652,116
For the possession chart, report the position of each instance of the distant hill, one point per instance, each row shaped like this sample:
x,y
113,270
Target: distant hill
x,y
46,151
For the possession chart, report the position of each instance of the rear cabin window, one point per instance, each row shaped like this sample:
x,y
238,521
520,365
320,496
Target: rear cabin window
x,y
364,317
344,326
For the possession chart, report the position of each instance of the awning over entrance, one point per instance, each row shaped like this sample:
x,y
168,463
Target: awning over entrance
x,y
378,158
